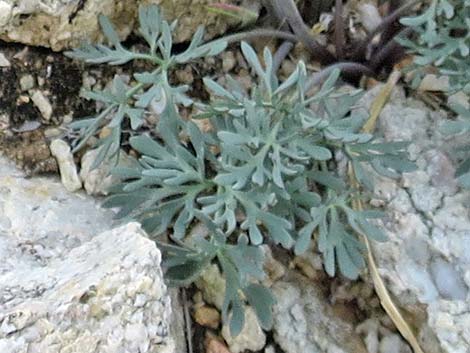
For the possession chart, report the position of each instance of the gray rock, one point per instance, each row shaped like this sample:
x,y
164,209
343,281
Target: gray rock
x,y
60,24
68,170
84,301
64,287
426,262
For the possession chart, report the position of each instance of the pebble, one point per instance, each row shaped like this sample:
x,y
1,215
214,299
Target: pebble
x,y
43,104
26,82
207,317
68,170
4,61
251,338
228,61
370,16
214,345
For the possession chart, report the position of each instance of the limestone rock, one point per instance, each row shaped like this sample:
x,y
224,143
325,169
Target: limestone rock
x,y
68,170
60,24
67,282
426,262
86,301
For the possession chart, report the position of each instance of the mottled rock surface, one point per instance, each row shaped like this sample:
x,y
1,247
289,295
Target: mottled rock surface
x,y
426,262
61,24
67,282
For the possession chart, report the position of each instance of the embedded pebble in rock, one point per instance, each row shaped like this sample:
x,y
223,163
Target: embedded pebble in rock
x,y
70,284
251,337
68,170
99,180
43,104
3,60
448,281
212,285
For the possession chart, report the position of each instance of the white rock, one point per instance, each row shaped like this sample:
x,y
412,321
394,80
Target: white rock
x,y
43,104
370,16
425,264
68,283
3,60
82,296
68,170
251,337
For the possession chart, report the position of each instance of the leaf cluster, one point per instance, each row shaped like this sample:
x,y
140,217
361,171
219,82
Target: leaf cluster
x,y
265,172
443,40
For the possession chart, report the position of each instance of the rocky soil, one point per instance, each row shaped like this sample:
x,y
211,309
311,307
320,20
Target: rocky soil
x,y
67,261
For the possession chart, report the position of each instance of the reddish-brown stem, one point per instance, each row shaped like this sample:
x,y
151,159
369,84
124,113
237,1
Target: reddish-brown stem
x,y
295,21
359,53
339,30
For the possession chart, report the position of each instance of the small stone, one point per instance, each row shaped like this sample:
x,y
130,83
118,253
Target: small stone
x,y
214,345
207,317
370,16
228,61
43,104
68,171
212,285
26,82
3,60
52,132
434,83
270,349
251,338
